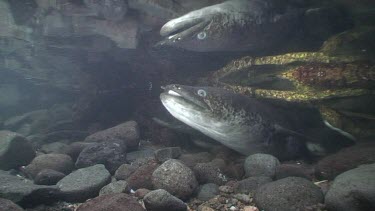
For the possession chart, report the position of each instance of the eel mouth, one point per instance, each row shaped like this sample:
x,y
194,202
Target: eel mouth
x,y
181,28
182,95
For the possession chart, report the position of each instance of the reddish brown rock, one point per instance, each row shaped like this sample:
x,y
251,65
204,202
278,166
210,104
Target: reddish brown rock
x,y
140,193
113,202
344,160
141,178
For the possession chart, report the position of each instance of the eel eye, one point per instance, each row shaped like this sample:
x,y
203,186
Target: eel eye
x,y
202,93
202,35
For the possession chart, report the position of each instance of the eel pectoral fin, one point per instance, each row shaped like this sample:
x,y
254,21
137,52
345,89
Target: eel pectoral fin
x,y
296,142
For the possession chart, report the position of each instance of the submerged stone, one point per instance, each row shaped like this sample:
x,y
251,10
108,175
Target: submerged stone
x,y
25,192
291,193
162,200
176,178
113,202
11,144
353,190
84,183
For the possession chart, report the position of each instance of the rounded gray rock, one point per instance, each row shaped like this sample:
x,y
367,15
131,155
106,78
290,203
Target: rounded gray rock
x,y
261,165
11,144
124,171
25,192
120,186
48,177
291,193
176,178
353,190
111,154
58,162
161,200
84,183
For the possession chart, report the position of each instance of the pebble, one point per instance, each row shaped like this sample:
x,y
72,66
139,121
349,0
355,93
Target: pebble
x,y
226,189
261,165
176,178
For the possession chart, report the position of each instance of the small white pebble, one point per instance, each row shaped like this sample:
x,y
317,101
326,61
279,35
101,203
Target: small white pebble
x,y
233,208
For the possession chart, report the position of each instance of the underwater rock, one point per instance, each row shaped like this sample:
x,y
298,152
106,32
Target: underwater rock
x,y
55,147
8,205
11,144
25,192
58,162
84,183
141,193
113,202
251,184
75,148
140,155
112,154
292,193
344,160
141,178
228,189
211,172
207,191
48,177
124,171
353,190
261,165
127,132
176,178
160,199
120,186
244,198
235,170
294,170
193,159
164,154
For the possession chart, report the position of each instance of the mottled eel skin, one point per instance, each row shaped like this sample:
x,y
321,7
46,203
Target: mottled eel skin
x,y
233,25
251,125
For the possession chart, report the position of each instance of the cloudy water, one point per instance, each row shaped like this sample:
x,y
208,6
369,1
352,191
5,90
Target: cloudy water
x,y
240,105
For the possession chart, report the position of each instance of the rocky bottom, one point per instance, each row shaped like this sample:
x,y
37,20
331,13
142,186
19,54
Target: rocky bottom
x,y
114,169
